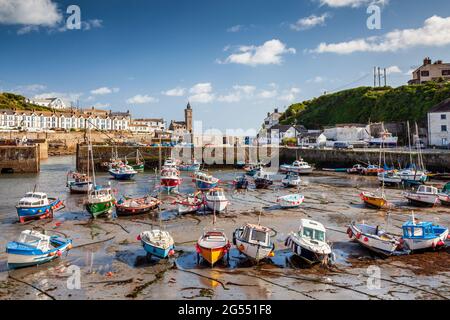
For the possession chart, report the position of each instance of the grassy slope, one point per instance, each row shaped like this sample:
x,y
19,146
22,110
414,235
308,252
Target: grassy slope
x,y
11,101
364,104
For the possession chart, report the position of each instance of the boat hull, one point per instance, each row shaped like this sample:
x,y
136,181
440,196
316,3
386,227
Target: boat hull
x,y
217,205
190,167
138,167
80,188
263,183
122,176
212,255
202,185
381,247
100,208
129,211
305,253
253,251
422,200
423,244
159,252
41,212
373,201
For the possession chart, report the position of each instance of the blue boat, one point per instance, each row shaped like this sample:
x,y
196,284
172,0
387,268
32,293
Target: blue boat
x,y
123,173
36,205
205,181
34,248
157,243
194,166
423,235
241,183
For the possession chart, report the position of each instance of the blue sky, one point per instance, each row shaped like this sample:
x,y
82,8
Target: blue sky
x,y
234,60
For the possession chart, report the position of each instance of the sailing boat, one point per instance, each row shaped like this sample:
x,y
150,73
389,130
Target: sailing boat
x,y
213,244
100,200
139,165
371,199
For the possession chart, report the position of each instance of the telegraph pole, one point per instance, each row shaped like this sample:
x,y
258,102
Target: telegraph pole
x,y
385,79
379,76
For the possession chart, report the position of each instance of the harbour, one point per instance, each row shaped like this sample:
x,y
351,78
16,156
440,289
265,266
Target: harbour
x,y
113,264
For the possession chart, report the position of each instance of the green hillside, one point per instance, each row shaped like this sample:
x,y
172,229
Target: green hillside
x,y
364,104
15,101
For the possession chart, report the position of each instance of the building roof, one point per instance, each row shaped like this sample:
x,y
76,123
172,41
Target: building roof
x,y
286,127
149,120
444,106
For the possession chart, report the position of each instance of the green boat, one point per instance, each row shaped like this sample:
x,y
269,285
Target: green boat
x,y
100,202
139,164
139,167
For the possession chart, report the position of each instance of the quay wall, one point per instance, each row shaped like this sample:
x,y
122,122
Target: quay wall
x,y
20,159
435,160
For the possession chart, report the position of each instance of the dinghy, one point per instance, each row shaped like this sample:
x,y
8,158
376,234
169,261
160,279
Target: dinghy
x,y
241,183
204,181
291,180
191,204
212,246
216,200
423,235
425,196
309,242
254,242
390,177
356,169
36,205
134,206
34,248
374,201
375,239
157,243
79,182
299,166
290,201
251,170
193,166
372,170
263,180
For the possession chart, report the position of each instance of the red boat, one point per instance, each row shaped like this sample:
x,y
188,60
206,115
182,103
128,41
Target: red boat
x,y
170,178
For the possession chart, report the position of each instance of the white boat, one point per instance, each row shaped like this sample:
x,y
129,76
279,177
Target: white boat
x,y
374,238
170,163
415,176
290,201
212,245
35,248
291,180
299,166
391,177
216,200
423,235
309,242
254,241
191,204
423,196
79,182
157,243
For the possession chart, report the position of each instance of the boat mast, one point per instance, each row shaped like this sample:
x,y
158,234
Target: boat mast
x,y
409,142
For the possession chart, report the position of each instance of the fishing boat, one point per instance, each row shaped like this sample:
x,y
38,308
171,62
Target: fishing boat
x,y
170,178
356,169
134,206
390,177
78,182
291,180
426,196
241,183
216,200
372,170
309,243
423,235
415,174
100,201
191,204
193,166
252,169
374,201
290,201
212,245
124,172
263,180
36,205
158,243
204,181
375,239
254,241
34,248
170,163
139,164
412,176
444,196
299,166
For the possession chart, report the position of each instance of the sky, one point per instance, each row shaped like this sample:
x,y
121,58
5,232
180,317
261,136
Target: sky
x,y
233,60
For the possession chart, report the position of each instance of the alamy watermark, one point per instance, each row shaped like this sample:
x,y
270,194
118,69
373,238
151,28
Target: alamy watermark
x,y
374,20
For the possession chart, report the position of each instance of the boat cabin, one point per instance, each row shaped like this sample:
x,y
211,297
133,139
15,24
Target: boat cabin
x,y
255,234
33,199
427,190
217,192
34,239
312,230
420,230
169,173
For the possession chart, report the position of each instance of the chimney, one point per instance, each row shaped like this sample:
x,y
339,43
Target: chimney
x,y
276,110
268,114
438,62
426,61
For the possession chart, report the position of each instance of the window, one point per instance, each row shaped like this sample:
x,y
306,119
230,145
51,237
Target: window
x,y
444,128
446,72
443,117
425,73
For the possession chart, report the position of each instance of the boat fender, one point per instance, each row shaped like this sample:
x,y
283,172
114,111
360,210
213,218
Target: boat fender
x,y
366,239
51,254
171,252
197,248
138,238
358,235
69,247
440,243
349,232
241,247
59,253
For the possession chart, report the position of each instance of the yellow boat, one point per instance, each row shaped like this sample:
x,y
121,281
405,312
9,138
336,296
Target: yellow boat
x,y
373,200
212,246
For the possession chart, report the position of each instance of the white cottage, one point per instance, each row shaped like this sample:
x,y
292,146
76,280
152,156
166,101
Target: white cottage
x,y
439,125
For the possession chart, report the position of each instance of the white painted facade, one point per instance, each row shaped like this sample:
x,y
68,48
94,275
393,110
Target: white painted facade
x,y
439,129
54,103
347,133
147,125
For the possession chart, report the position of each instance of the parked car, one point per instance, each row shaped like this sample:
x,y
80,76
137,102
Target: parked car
x,y
342,146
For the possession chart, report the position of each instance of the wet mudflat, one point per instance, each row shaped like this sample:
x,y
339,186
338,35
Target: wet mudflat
x,y
113,265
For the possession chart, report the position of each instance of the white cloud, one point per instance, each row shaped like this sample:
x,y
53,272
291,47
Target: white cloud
x,y
85,25
434,33
229,98
393,69
271,52
31,88
141,99
267,94
351,3
104,90
30,12
289,95
247,89
238,93
316,79
175,92
310,22
235,28
201,93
